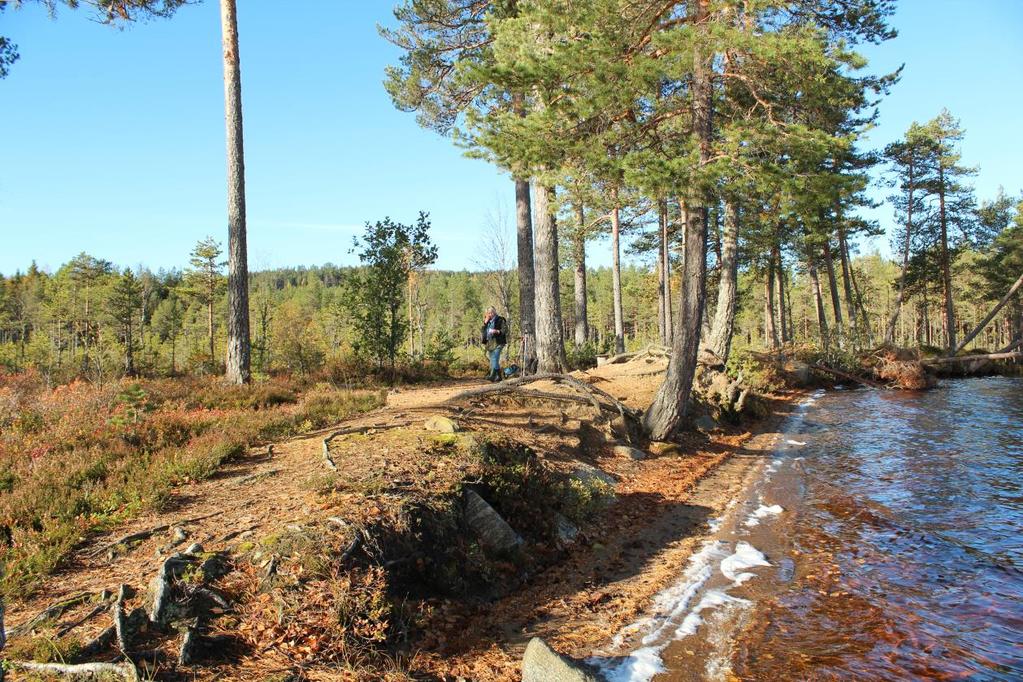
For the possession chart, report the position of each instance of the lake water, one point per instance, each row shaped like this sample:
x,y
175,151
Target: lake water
x,y
884,540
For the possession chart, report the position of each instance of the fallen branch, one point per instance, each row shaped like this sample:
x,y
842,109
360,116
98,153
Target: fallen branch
x,y
1016,343
651,350
143,534
82,671
847,376
49,613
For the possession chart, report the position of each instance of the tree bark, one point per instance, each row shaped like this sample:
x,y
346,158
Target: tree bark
x,y
779,271
836,305
616,281
822,319
550,344
582,327
850,303
770,328
669,326
724,315
238,343
948,318
889,332
662,419
527,296
662,219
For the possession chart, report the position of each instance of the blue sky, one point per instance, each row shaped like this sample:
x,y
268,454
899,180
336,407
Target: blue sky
x,y
113,139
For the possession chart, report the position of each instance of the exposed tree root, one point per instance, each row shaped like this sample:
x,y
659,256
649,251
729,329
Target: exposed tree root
x,y
81,671
143,534
348,431
64,629
49,613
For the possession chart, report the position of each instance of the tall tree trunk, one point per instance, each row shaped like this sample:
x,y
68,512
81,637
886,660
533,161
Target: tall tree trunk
x,y
669,328
889,332
209,312
724,315
836,305
616,281
582,327
867,331
770,328
527,296
662,419
850,303
238,345
822,319
662,219
779,271
550,343
948,318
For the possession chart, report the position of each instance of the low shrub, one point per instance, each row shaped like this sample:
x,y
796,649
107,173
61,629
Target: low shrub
x,y
83,457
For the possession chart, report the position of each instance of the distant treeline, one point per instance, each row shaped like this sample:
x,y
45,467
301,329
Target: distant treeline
x,y
88,319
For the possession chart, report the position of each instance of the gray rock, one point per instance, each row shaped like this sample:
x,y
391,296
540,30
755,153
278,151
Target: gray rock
x,y
490,529
194,548
590,474
178,536
629,451
566,531
441,424
540,663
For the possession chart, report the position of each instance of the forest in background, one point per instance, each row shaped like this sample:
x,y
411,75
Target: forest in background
x,y
78,321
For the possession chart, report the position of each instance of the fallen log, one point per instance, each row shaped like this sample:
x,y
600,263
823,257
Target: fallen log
x,y
847,376
1018,355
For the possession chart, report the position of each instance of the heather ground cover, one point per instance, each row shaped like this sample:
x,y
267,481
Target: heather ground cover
x,y
83,457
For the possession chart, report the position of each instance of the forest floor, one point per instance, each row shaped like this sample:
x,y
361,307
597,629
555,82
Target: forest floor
x,y
273,512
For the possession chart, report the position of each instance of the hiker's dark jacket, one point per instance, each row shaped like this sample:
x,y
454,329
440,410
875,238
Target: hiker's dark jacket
x,y
501,337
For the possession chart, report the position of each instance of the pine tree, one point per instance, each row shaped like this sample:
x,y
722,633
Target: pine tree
x,y
123,305
205,281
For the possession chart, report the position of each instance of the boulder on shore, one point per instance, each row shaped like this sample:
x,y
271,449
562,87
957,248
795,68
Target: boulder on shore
x,y
490,528
541,663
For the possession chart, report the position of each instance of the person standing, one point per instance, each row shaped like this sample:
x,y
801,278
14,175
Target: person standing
x,y
494,337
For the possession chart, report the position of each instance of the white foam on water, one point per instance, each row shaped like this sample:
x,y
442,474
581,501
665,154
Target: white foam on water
x,y
712,600
745,556
672,616
761,512
795,442
669,607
